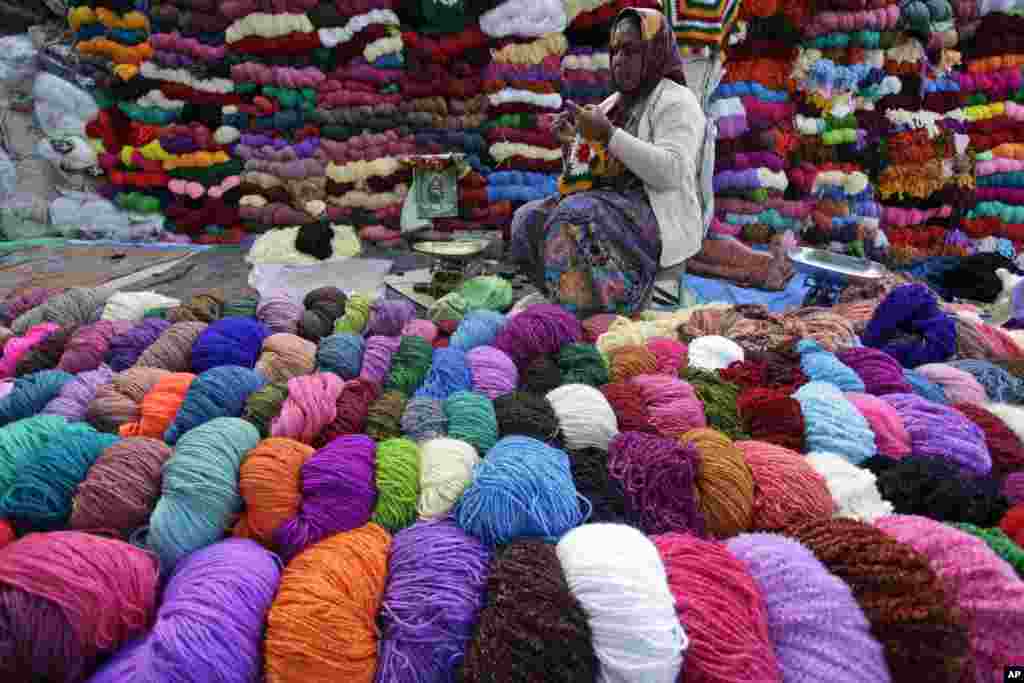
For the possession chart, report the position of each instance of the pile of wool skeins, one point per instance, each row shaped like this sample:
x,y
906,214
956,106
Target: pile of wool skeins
x,y
339,489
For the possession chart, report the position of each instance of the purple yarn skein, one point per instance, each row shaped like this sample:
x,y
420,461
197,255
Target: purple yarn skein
x,y
911,310
339,492
540,329
944,433
389,316
75,396
126,348
880,372
377,358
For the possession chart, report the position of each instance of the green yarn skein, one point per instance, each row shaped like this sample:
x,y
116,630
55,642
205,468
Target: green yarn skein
x,y
719,398
398,484
487,292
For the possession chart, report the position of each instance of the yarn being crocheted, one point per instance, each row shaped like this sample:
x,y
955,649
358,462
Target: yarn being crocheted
x,y
911,310
389,316
199,491
1005,447
74,593
833,424
880,372
774,416
943,433
31,393
220,595
657,476
982,586
999,385
526,414
338,494
891,435
409,365
724,483
522,488
924,387
279,314
471,418
270,484
398,484
429,637
216,393
937,489
228,341
540,329
618,577
172,351
528,609
478,328
958,386
582,363
449,373
787,489
910,612
720,399
803,600
126,348
493,373
73,400
585,418
312,404
854,489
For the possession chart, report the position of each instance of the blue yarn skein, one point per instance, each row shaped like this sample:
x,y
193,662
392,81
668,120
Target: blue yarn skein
x,y
341,354
823,366
199,494
911,309
924,387
31,393
833,424
229,341
1000,385
449,373
220,392
478,328
40,498
523,488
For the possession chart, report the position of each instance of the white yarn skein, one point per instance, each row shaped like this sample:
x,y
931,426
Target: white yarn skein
x,y
585,416
524,19
854,490
714,352
446,469
617,575
133,305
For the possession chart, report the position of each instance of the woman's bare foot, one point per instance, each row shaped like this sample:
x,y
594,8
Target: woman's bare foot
x,y
780,270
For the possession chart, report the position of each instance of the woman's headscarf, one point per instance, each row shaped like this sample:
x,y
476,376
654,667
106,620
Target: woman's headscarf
x,y
659,52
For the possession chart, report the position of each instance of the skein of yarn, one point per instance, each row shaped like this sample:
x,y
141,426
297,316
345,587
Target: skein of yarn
x,y
73,400
527,414
172,351
582,363
44,354
833,424
323,306
616,574
398,484
449,373
322,625
724,483
447,467
21,440
942,432
377,358
228,341
31,394
279,313
341,354
478,328
471,418
312,404
540,329
117,403
269,482
492,372
285,356
132,306
891,435
220,392
787,489
389,316
15,348
88,346
70,310
409,365
159,406
585,418
854,490
220,597
671,404
263,405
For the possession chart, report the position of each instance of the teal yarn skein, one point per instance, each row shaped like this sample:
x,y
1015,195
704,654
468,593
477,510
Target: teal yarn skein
x,y
20,440
220,392
342,354
199,495
43,489
31,393
822,366
471,418
522,488
834,425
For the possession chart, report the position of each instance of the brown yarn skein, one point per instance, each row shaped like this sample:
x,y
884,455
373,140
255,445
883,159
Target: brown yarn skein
x,y
172,351
724,483
117,403
286,356
205,308
627,362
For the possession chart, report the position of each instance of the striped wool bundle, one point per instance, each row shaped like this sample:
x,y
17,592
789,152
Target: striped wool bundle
x,y
88,346
220,597
21,440
627,362
541,375
312,404
121,488
323,306
822,366
774,416
671,404
1003,444
341,354
205,308
71,593
322,625
629,407
172,351
880,372
976,581
722,610
424,419
657,478
117,403
492,371
720,400
357,315
279,313
228,341
523,487
585,418
671,355
199,492
31,393
787,489
958,385
384,416
1000,386
447,467
724,483
449,373
389,316
999,543
833,424
540,329
263,405
398,484
854,490
531,626
270,484
817,630
220,392
618,577
891,435
471,418
159,406
132,306
924,387
942,432
285,356
429,637
338,494
478,328
43,355
409,365
377,358
73,400
901,596
15,348
938,489
526,414
582,363
40,495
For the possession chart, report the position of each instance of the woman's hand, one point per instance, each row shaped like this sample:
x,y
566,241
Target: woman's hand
x,y
563,128
592,122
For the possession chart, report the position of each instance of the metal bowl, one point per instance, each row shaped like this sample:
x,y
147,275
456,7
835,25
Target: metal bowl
x,y
827,264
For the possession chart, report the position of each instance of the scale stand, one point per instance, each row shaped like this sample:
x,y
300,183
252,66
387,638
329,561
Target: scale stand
x,y
452,263
823,290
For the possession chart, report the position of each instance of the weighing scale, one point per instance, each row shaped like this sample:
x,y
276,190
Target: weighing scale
x,y
829,273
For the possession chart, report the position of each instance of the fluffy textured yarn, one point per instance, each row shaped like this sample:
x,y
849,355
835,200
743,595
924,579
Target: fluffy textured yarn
x,y
941,432
540,329
229,341
1004,445
73,400
891,437
833,424
471,419
787,489
398,484
854,490
725,484
822,366
911,311
584,416
924,387
880,372
285,356
493,373
312,404
270,484
449,373
958,386
1000,386
31,393
447,467
478,328
936,488
220,392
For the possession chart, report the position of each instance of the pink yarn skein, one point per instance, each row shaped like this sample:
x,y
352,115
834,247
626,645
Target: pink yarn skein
x,y
17,347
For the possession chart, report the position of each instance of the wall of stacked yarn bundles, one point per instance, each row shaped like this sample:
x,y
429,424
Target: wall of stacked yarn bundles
x,y
337,489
